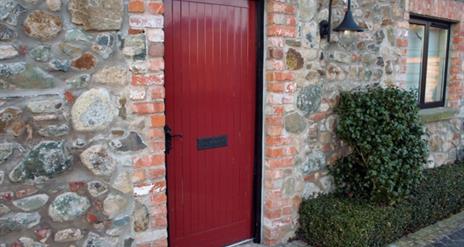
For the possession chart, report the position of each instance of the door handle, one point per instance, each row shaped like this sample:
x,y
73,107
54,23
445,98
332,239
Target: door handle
x,y
168,136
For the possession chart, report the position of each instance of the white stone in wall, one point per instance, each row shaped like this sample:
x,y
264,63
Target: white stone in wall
x,y
7,51
112,75
143,190
98,160
93,110
54,5
68,206
114,205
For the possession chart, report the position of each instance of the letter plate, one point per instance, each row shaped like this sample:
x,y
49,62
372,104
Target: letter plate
x,y
211,142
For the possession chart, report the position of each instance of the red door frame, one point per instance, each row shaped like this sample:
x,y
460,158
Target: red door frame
x,y
258,162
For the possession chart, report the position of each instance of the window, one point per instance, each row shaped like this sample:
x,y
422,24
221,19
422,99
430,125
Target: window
x,y
427,61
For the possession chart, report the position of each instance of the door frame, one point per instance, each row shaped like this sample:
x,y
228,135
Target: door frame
x,y
258,146
259,126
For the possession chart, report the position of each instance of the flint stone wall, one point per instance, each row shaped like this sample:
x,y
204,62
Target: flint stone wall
x,y
304,76
73,153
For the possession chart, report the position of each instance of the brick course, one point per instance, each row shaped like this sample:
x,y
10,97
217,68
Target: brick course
x,y
150,170
285,151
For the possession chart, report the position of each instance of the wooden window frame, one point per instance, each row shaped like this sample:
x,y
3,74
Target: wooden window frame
x,y
427,23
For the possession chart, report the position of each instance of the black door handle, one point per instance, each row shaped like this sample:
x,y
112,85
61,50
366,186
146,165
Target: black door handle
x,y
168,136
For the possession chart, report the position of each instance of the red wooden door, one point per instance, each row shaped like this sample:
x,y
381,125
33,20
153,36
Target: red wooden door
x,y
210,101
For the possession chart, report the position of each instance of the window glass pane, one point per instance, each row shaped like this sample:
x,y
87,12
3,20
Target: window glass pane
x,y
414,60
436,60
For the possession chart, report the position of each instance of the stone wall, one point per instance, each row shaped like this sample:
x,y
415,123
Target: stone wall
x,y
82,111
304,76
81,150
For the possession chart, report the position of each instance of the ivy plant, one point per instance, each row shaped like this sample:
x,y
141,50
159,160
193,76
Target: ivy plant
x,y
387,139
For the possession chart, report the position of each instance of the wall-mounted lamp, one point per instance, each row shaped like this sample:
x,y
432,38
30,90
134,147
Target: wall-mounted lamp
x,y
347,25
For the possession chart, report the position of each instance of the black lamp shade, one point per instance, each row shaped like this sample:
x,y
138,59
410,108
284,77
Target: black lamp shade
x,y
348,23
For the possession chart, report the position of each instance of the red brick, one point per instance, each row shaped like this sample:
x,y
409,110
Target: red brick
x,y
275,87
279,7
155,8
156,64
158,120
157,146
274,120
136,6
277,140
161,243
275,53
157,92
135,31
274,130
156,173
147,79
278,110
457,39
149,161
159,222
159,209
318,116
159,185
279,76
158,198
156,133
156,49
138,175
148,107
274,152
281,163
281,30
272,214
281,19
401,42
290,151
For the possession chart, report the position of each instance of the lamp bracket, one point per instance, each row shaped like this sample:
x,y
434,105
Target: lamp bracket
x,y
324,29
325,25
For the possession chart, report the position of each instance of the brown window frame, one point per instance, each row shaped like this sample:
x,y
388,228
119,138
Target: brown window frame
x,y
427,23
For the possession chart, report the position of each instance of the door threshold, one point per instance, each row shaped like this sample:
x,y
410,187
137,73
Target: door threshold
x,y
248,241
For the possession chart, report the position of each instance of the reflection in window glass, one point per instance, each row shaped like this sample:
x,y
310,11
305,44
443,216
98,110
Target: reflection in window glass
x,y
427,60
436,60
414,60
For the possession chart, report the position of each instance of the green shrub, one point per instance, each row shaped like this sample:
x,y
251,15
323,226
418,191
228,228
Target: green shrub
x,y
384,131
440,194
334,220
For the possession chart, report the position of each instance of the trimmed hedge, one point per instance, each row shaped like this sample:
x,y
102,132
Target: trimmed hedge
x,y
334,220
438,196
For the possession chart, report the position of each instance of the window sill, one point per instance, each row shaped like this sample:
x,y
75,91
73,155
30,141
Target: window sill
x,y
437,114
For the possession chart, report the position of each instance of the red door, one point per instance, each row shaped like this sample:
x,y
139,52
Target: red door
x,y
210,102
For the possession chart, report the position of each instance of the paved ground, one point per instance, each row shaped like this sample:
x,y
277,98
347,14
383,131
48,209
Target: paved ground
x,y
291,244
454,240
446,233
